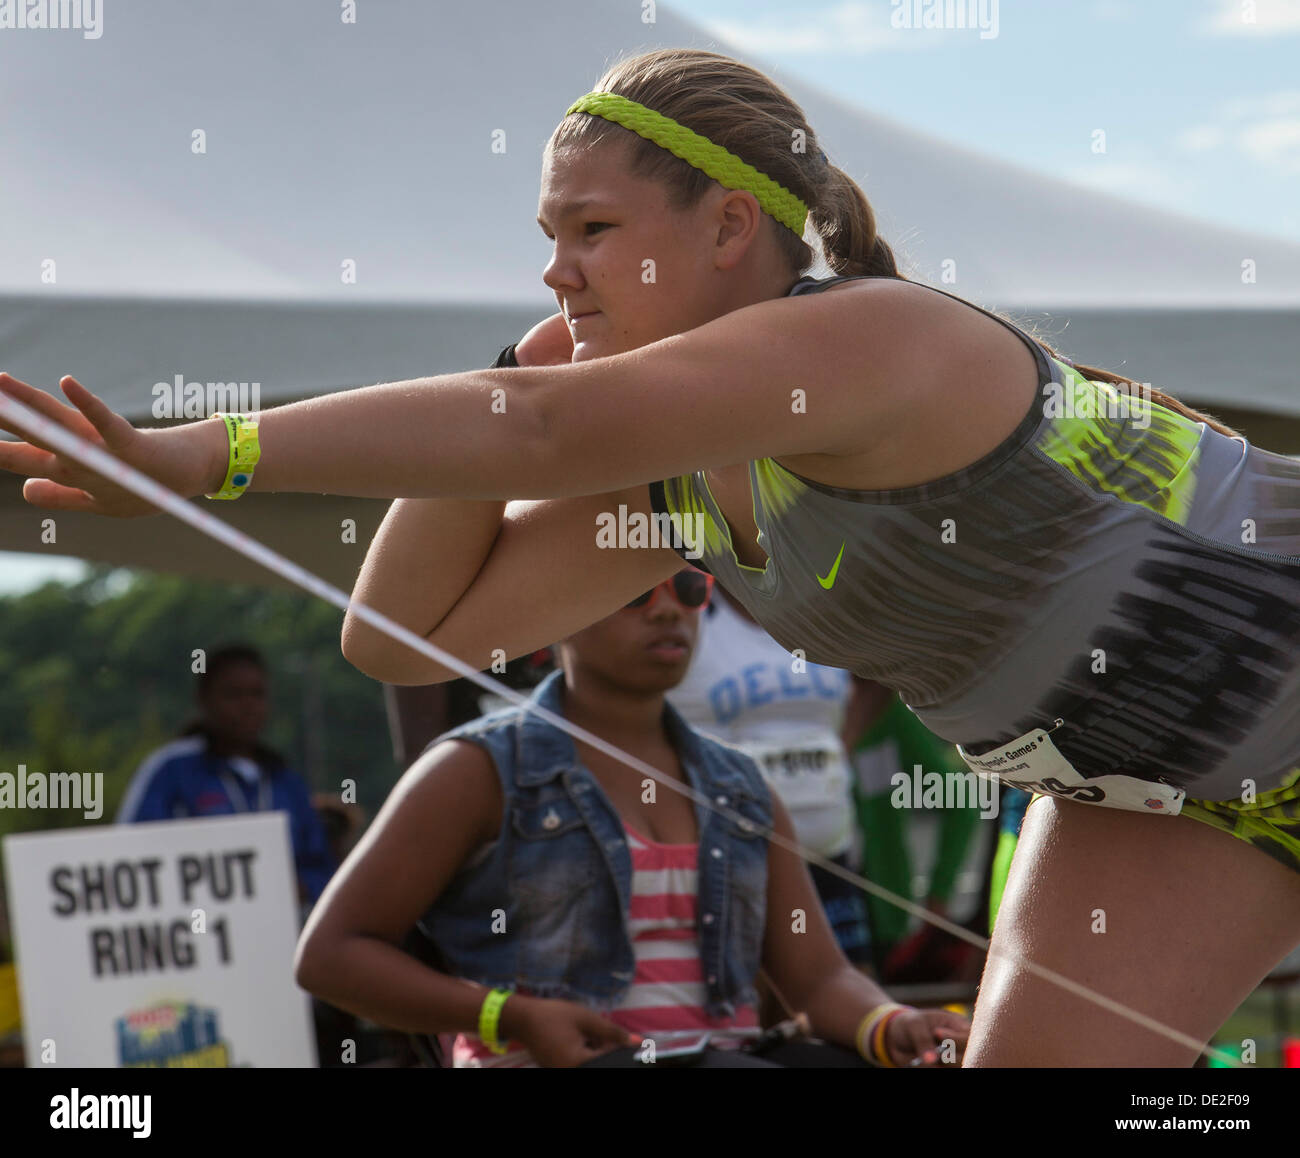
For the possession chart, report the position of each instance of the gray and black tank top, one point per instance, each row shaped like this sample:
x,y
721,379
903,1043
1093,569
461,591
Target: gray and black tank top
x,y
1122,569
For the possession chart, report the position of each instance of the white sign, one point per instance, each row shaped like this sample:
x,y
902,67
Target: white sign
x,y
167,944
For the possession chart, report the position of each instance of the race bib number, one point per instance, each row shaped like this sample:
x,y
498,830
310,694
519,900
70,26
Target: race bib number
x,y
810,770
1033,763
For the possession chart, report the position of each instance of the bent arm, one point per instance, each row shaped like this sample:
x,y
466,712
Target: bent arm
x,y
809,968
423,558
427,552
541,576
349,955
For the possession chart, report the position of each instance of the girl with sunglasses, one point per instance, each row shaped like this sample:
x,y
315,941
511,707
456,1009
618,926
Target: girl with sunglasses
x,y
582,913
1081,581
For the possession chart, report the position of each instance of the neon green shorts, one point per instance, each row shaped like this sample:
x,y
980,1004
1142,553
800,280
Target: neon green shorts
x,y
1271,823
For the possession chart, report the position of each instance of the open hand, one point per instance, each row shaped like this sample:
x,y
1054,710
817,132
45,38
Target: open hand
x,y
179,458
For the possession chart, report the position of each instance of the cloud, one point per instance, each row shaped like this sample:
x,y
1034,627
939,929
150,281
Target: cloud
x,y
1274,143
853,27
1139,180
1277,104
1201,138
1251,18
1264,128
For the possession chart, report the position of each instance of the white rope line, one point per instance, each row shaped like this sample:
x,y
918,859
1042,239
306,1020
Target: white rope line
x,y
124,475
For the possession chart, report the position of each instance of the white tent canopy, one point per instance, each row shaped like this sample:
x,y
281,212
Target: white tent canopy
x,y
128,257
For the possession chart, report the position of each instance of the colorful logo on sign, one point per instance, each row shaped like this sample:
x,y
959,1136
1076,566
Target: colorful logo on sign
x,y
173,1035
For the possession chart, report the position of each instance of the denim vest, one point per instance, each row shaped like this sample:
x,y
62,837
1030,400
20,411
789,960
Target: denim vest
x,y
544,907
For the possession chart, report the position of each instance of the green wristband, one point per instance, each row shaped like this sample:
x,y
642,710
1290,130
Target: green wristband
x,y
489,1018
245,450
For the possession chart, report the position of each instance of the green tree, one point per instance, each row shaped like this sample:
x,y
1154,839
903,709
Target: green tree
x,y
99,673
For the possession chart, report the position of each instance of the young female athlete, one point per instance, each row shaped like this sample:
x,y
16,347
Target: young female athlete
x,y
1101,603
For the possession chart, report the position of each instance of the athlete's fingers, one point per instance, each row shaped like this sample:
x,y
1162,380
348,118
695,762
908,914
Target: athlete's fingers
x,y
44,404
48,407
41,464
52,496
112,427
25,459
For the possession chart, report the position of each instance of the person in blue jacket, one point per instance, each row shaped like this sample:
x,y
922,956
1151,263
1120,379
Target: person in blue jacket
x,y
219,767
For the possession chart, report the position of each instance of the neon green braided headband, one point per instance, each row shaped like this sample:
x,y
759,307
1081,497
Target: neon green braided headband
x,y
723,166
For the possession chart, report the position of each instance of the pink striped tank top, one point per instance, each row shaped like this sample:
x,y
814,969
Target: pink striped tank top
x,y
667,991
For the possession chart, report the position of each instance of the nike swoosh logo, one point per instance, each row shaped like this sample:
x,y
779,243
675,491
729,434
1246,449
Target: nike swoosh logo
x,y
829,581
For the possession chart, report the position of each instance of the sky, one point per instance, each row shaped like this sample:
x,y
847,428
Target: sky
x,y
1198,100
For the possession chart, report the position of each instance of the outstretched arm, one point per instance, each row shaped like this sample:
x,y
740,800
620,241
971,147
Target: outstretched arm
x,y
783,377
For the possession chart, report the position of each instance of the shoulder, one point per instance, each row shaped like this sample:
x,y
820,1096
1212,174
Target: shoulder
x,y
458,754
879,304
454,775
497,725
165,774
186,752
900,311
874,352
947,382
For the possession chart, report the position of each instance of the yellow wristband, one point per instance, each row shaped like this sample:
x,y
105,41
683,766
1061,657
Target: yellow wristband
x,y
878,1046
245,450
489,1018
868,1028
863,1025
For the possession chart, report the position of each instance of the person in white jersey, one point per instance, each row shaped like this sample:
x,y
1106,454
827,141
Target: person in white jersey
x,y
744,688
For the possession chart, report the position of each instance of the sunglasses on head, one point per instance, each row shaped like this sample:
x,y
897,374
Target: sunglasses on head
x,y
690,588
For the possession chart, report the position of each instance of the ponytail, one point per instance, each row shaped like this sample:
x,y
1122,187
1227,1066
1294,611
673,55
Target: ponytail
x,y
846,223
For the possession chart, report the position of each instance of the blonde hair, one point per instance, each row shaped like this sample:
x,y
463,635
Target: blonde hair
x,y
744,111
